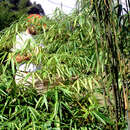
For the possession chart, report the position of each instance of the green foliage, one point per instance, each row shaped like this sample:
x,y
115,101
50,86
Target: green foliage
x,y
5,17
75,71
8,15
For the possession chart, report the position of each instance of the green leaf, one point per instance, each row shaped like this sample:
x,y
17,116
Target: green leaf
x,y
34,113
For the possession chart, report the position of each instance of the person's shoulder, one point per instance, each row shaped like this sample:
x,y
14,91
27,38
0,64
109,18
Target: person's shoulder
x,y
24,35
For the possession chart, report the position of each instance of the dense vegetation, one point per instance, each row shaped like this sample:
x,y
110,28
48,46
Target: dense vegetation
x,y
84,70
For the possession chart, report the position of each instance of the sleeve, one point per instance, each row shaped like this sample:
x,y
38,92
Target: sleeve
x,y
19,43
22,40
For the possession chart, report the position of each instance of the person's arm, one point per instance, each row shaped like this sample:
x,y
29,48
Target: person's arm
x,y
20,58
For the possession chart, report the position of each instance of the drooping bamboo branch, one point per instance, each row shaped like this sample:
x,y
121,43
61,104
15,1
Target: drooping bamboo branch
x,y
108,20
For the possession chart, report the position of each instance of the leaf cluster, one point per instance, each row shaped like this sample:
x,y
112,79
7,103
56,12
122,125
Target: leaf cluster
x,y
75,70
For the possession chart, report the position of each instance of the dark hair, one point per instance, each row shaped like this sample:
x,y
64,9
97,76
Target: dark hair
x,y
37,9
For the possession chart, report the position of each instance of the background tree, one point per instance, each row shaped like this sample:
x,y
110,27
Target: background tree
x,y
12,10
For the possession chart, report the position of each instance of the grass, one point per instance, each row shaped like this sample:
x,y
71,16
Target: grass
x,y
76,69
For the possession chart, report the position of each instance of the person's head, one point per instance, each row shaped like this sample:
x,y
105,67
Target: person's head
x,y
31,30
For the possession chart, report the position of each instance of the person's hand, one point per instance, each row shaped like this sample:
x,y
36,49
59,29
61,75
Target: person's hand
x,y
20,58
29,55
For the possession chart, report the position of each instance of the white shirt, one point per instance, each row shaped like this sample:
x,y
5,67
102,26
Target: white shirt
x,y
22,40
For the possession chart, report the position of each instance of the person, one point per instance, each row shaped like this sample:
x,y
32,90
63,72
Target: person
x,y
23,68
